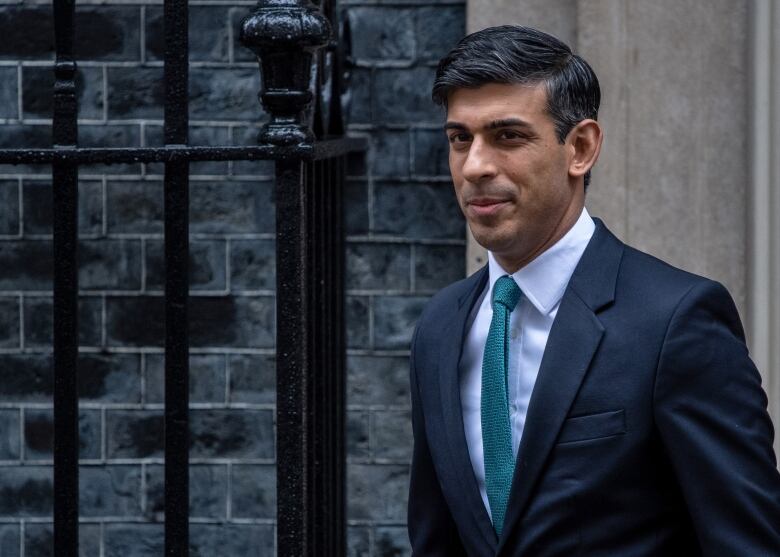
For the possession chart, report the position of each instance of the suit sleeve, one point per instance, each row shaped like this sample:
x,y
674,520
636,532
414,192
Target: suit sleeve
x,y
711,413
432,530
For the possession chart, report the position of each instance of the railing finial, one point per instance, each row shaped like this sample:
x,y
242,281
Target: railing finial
x,y
284,34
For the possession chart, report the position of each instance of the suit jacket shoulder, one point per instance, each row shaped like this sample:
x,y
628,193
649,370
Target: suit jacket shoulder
x,y
660,288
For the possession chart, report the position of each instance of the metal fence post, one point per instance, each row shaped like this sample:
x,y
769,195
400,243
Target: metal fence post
x,y
176,204
65,305
310,405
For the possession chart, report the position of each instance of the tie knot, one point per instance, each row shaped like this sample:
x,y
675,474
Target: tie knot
x,y
506,292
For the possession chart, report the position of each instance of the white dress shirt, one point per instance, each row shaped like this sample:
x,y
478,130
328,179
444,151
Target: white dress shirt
x,y
542,282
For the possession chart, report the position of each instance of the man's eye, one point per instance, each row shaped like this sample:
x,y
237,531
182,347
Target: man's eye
x,y
459,138
509,134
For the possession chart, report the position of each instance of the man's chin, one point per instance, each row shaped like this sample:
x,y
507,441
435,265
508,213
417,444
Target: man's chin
x,y
490,240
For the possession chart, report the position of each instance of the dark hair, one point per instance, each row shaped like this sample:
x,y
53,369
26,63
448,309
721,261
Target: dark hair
x,y
515,54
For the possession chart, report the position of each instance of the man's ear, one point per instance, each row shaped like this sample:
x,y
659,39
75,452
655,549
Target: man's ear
x,y
585,142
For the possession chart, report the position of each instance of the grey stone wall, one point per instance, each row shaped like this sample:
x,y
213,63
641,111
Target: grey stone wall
x,y
405,240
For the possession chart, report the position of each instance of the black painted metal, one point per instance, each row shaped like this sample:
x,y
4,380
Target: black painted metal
x,y
292,356
310,359
107,155
285,34
65,291
307,140
65,340
176,284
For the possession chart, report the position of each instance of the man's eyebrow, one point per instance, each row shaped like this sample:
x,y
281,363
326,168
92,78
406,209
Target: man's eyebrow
x,y
506,122
454,126
495,124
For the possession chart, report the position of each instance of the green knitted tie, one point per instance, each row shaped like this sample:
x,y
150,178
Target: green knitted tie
x,y
496,429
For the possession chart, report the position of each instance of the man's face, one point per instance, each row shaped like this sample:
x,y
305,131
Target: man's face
x,y
511,174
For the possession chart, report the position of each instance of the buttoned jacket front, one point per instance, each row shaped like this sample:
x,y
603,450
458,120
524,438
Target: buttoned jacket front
x,y
646,433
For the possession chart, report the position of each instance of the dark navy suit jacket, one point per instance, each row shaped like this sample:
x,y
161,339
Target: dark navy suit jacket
x,y
646,435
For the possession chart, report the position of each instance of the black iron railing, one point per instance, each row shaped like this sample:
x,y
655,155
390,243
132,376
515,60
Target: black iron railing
x,y
305,137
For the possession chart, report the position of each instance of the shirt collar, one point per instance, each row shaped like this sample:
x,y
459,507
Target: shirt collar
x,y
544,279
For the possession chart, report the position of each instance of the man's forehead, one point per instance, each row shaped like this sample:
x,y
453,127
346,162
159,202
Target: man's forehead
x,y
497,102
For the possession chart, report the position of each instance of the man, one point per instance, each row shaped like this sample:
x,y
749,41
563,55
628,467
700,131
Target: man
x,y
575,396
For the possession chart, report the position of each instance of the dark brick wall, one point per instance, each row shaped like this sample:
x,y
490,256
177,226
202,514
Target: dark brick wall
x,y
405,241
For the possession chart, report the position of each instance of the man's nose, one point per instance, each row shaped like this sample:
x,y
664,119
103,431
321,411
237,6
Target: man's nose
x,y
479,164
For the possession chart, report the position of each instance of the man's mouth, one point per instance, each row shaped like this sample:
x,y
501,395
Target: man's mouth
x,y
485,206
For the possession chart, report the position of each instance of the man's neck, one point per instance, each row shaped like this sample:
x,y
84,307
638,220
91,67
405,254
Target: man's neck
x,y
568,220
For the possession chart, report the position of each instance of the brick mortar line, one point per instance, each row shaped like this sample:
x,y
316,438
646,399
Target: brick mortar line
x,y
103,434
20,193
370,193
144,270
390,408
21,435
141,36
371,324
378,461
264,179
44,350
99,122
228,379
146,407
22,338
104,206
387,239
136,519
229,270
412,268
406,293
378,63
138,176
432,180
261,236
415,179
231,38
110,3
103,321
381,353
258,294
371,439
139,237
141,178
394,126
143,371
19,107
229,496
374,522
137,462
134,63
136,236
104,85
142,406
143,499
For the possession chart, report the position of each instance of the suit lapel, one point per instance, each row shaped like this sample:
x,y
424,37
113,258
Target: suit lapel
x,y
574,338
449,383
